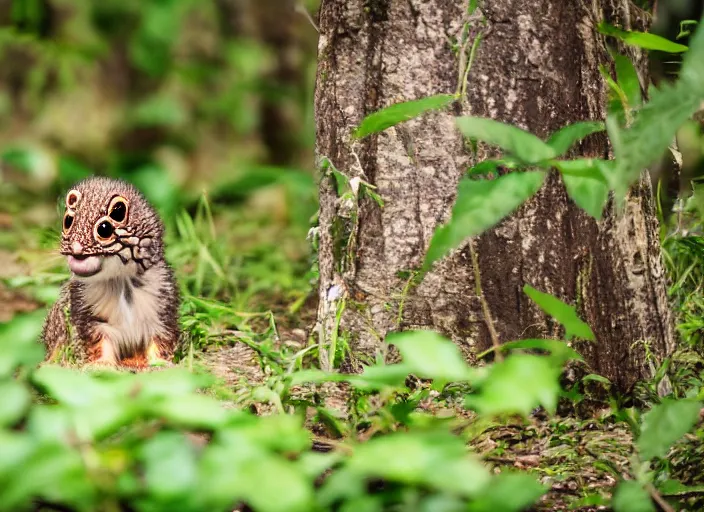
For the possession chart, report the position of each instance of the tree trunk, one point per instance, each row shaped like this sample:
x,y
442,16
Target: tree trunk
x,y
537,66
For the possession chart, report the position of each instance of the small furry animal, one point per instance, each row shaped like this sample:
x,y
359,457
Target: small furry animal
x,y
120,306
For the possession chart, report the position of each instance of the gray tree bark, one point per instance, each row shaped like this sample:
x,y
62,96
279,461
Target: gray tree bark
x,y
536,65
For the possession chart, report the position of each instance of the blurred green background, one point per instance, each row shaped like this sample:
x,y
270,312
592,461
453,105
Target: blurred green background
x,y
205,105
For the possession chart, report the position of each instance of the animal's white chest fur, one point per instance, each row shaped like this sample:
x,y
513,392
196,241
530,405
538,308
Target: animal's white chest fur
x,y
130,311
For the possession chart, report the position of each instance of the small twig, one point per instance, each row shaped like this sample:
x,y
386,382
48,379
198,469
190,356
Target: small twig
x,y
659,499
485,306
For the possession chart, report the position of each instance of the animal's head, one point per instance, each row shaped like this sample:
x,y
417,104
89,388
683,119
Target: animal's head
x,y
109,229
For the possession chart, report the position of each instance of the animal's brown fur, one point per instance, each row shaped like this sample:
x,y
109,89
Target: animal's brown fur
x,y
127,313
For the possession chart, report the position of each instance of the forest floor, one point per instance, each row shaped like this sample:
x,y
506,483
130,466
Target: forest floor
x,y
248,306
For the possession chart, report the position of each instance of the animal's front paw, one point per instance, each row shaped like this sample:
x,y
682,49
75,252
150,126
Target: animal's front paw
x,y
154,358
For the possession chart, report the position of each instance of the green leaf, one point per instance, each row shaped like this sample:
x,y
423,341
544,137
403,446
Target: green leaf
x,y
400,112
103,419
14,402
64,384
592,168
24,329
664,424
169,464
594,377
627,78
19,344
190,411
480,205
374,377
49,422
435,459
487,167
644,40
617,105
171,381
676,488
273,485
316,377
342,484
630,496
266,482
15,448
585,184
280,432
429,355
563,313
590,195
564,138
366,503
517,385
314,464
590,500
656,123
509,492
53,471
382,376
519,143
557,348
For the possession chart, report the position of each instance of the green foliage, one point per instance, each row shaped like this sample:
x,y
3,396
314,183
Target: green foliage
x,y
627,80
585,183
631,497
99,439
18,342
563,313
564,138
480,205
399,112
163,441
437,460
643,40
558,350
119,437
664,424
519,143
430,356
644,140
517,386
509,492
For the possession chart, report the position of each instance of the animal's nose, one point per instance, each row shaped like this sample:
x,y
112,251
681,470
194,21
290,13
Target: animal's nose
x,y
76,247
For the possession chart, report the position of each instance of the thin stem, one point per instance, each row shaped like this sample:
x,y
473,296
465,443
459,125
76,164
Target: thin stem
x,y
664,505
485,305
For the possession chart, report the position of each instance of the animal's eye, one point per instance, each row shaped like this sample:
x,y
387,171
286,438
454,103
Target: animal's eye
x,y
118,211
104,230
72,198
68,221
